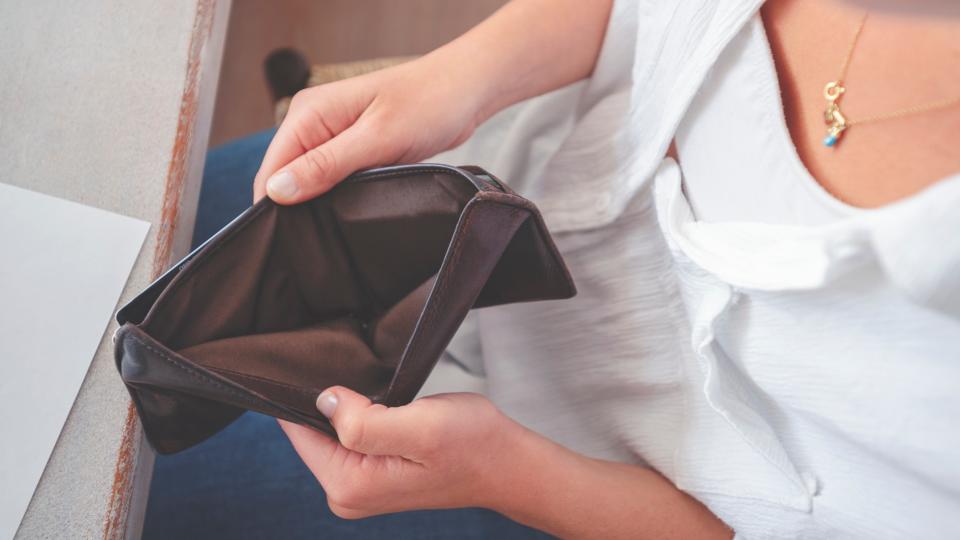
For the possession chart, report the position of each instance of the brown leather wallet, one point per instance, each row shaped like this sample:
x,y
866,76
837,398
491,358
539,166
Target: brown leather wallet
x,y
362,287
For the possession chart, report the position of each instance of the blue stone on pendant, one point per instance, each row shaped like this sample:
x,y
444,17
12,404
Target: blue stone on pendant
x,y
830,140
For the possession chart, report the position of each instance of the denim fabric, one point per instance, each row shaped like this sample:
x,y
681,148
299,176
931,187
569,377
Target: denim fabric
x,y
247,482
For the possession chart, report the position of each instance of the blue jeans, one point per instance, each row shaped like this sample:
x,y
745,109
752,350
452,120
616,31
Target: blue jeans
x,y
247,482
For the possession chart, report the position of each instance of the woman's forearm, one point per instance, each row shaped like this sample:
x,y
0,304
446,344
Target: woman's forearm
x,y
525,49
551,488
424,455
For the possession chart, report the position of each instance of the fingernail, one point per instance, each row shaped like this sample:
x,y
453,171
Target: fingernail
x,y
327,403
282,185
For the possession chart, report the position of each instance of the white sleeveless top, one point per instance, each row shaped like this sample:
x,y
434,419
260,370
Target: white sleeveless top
x,y
790,361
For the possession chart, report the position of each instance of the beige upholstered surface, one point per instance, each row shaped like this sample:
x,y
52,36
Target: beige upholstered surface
x,y
325,73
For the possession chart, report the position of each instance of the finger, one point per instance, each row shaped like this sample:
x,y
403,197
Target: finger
x,y
302,129
320,168
369,428
315,448
292,139
283,149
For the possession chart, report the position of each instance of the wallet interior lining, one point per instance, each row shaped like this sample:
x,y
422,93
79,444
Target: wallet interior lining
x,y
327,292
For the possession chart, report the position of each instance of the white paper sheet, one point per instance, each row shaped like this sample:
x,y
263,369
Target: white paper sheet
x,y
62,269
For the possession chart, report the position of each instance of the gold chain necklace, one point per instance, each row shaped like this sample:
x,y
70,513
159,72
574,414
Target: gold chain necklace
x,y
837,123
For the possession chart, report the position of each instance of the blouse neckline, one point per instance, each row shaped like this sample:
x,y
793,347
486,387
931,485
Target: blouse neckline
x,y
785,139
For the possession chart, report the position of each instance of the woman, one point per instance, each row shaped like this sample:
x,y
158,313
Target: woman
x,y
766,336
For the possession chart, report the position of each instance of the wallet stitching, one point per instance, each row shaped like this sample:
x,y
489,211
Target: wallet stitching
x,y
432,307
194,373
401,172
456,253
264,380
455,257
553,262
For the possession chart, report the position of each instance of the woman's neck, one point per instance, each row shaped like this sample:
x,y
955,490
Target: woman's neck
x,y
899,61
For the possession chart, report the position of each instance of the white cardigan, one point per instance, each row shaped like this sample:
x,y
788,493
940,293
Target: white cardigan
x,y
799,380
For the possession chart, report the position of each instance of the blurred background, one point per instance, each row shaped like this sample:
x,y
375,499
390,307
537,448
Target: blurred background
x,y
327,33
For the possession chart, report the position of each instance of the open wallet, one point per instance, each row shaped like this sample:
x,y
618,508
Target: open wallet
x,y
363,287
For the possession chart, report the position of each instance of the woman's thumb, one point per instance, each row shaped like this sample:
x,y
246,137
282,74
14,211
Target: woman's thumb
x,y
366,427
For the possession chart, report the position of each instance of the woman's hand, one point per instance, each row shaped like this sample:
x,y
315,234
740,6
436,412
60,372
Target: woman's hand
x,y
401,114
412,111
458,450
443,451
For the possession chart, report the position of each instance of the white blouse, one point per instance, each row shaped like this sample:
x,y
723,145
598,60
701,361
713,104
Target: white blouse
x,y
790,361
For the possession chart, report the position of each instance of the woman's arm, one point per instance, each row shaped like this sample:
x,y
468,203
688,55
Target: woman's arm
x,y
415,110
527,48
573,496
458,450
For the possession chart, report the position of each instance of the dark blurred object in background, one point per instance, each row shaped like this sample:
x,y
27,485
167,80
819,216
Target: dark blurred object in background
x,y
287,73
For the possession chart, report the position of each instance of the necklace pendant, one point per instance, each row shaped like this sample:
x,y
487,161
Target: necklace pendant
x,y
833,90
833,135
837,125
835,119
